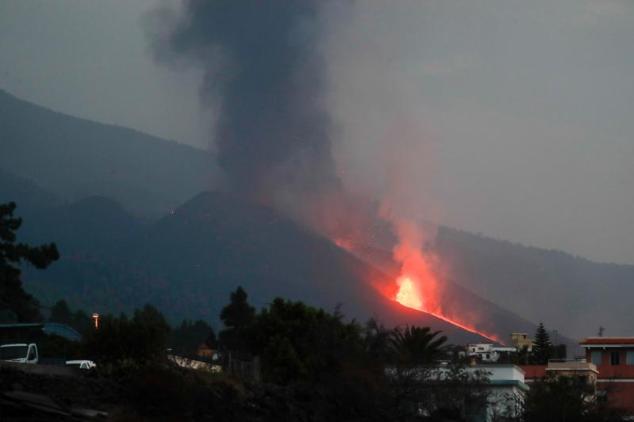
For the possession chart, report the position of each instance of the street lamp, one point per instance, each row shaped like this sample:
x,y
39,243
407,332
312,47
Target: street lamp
x,y
95,318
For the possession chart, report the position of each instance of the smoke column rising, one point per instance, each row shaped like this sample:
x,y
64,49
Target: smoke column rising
x,y
272,135
269,68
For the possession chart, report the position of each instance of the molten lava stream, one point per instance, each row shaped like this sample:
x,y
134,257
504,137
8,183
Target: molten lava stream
x,y
409,296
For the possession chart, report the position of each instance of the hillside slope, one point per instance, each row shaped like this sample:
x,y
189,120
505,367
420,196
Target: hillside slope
x,y
48,160
568,293
188,262
74,158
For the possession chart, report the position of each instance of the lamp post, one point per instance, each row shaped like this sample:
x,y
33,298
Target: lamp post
x,y
95,318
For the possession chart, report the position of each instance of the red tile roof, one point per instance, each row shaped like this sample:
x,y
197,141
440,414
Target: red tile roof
x,y
607,340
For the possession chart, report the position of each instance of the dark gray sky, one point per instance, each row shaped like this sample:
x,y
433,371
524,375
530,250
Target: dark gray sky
x,y
510,118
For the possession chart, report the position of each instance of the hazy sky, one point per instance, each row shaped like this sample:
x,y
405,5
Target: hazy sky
x,y
90,58
509,118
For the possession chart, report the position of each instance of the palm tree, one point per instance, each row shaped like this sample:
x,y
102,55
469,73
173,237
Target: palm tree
x,y
377,341
416,345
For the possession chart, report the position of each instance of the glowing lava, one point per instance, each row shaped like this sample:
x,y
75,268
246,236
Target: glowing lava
x,y
408,294
418,286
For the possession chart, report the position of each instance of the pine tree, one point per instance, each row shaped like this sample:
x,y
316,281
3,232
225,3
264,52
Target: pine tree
x,y
542,347
60,312
237,317
15,303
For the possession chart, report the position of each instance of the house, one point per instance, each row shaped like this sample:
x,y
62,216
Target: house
x,y
204,351
487,352
507,391
614,360
502,384
578,368
521,341
608,366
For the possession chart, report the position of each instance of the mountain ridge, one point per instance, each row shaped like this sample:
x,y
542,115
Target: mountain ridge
x,y
74,158
568,293
189,261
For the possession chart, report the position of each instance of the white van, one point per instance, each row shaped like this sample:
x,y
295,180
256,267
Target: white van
x,y
19,353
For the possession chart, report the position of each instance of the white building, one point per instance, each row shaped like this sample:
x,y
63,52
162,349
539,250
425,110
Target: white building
x,y
507,391
487,352
501,385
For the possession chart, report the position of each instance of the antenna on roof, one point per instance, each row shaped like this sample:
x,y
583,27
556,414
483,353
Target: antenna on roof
x,y
601,330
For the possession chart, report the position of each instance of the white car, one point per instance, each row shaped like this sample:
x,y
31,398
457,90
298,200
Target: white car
x,y
19,353
81,364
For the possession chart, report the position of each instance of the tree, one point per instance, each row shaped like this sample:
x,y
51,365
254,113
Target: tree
x,y
13,299
141,339
417,345
237,317
188,336
60,312
238,313
377,342
542,347
314,343
561,398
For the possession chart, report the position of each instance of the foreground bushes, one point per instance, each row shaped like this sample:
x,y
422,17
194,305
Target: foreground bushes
x,y
140,340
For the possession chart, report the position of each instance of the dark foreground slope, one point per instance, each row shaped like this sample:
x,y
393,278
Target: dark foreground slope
x,y
74,158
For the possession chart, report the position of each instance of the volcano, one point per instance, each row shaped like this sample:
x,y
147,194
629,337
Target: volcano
x,y
189,261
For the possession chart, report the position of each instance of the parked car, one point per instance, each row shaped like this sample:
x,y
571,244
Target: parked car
x,y
81,364
19,353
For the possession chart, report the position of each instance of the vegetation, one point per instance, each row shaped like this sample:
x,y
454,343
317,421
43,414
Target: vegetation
x,y
314,364
560,398
140,340
542,347
186,338
61,313
238,317
414,346
15,303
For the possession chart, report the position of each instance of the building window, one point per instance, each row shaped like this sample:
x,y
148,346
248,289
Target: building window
x,y
629,357
595,357
615,358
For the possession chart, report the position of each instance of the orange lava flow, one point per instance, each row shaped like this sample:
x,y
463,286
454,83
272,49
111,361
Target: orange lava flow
x,y
418,286
409,296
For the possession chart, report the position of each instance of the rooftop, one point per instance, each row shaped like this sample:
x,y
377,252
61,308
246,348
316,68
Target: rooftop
x,y
613,341
571,365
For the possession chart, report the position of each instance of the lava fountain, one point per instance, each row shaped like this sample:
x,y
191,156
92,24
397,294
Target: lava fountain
x,y
407,294
417,286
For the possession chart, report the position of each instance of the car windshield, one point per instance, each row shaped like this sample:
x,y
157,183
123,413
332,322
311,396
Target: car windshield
x,y
12,352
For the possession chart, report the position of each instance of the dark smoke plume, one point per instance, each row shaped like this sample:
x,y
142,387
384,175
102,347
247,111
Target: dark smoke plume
x,y
259,59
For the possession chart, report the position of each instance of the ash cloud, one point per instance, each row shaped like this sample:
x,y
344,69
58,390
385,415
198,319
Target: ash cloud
x,y
505,118
264,78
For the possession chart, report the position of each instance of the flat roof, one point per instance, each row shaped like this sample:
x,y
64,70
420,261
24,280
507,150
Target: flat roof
x,y
607,341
